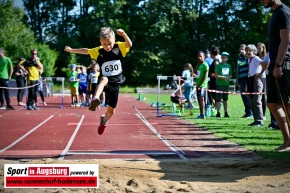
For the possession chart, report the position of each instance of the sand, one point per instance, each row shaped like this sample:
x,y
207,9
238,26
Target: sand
x,y
246,175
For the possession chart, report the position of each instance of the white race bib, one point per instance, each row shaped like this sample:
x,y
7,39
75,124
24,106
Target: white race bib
x,y
112,68
72,78
197,74
83,79
225,71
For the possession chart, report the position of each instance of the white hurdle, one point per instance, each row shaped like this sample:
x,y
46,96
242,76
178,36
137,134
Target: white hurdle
x,y
159,78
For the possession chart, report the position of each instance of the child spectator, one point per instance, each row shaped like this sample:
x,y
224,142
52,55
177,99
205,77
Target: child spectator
x,y
94,77
74,84
201,72
83,86
223,72
187,87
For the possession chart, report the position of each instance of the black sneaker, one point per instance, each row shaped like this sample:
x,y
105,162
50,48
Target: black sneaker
x,y
247,116
218,115
256,124
9,107
30,108
2,107
227,115
273,127
35,108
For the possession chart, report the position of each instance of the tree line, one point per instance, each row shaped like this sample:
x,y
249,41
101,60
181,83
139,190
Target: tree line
x,y
166,34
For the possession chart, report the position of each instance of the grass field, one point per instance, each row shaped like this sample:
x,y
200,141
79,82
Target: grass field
x,y
258,139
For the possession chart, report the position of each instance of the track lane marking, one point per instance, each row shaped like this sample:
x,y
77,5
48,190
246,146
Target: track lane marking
x,y
64,152
175,149
25,135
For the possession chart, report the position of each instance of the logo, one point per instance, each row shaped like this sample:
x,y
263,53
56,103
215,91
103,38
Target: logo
x,y
116,51
51,176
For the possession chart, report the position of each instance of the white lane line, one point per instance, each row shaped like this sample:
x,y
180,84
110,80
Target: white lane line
x,y
22,137
175,149
64,152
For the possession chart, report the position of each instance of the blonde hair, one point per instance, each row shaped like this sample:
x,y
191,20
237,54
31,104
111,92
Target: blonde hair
x,y
189,67
264,52
107,33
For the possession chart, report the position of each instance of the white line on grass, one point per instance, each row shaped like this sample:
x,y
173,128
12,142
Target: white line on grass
x,y
175,149
23,136
64,152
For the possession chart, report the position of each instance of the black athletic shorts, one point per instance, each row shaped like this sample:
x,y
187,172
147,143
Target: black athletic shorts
x,y
274,94
112,94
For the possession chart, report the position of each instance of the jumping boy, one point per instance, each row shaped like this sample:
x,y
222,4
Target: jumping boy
x,y
109,56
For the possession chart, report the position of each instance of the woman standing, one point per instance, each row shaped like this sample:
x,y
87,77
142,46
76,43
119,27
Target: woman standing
x,y
20,82
262,52
255,85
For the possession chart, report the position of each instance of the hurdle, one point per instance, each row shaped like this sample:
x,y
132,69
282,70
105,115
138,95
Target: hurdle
x,y
159,78
62,86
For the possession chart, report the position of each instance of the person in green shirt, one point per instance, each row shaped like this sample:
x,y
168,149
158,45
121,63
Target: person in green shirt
x,y
201,74
223,73
6,71
74,85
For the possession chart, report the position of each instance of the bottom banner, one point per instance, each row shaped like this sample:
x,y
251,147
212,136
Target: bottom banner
x,y
51,176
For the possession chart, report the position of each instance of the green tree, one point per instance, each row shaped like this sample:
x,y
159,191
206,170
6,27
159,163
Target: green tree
x,y
48,58
18,40
15,37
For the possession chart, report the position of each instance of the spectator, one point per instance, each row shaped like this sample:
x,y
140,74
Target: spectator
x,y
208,59
262,52
20,76
94,78
31,66
187,86
242,79
201,83
211,74
74,85
255,85
223,73
83,86
40,89
6,71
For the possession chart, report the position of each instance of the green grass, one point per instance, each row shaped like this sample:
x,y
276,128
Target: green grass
x,y
259,139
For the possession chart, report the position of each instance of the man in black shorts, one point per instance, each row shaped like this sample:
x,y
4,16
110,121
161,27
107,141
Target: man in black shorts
x,y
278,80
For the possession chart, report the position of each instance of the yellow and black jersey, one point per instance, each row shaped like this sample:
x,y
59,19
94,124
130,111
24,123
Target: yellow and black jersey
x,y
32,67
111,62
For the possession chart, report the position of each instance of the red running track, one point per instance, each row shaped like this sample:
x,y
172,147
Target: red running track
x,y
134,132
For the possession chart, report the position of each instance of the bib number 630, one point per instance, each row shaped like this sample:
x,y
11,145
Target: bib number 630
x,y
112,68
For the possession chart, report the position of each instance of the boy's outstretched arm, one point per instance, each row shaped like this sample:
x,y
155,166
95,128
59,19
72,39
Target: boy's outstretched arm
x,y
77,50
126,37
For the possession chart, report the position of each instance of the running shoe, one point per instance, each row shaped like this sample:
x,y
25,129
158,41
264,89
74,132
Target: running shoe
x,y
200,117
30,108
2,107
218,115
21,104
102,126
94,104
35,108
226,114
9,107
